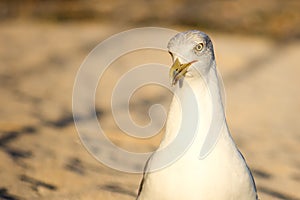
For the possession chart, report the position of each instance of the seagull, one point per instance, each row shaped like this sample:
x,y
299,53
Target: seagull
x,y
211,167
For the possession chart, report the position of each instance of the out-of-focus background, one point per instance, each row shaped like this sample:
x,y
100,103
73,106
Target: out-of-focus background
x,y
43,44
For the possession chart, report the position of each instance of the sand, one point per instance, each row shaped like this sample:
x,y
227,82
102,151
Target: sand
x,y
42,156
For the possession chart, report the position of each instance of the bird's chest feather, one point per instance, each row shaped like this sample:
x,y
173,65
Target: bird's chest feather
x,y
222,175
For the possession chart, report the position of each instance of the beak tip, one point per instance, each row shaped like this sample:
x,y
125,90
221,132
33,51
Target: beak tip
x,y
178,71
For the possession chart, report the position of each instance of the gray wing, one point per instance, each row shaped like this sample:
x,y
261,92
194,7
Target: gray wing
x,y
144,176
251,176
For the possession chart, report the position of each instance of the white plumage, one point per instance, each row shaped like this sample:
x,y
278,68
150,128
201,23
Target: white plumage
x,y
223,173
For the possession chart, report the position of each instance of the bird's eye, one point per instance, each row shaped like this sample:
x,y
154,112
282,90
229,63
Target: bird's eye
x,y
199,47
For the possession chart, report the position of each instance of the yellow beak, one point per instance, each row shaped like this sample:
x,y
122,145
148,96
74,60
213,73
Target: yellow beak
x,y
178,71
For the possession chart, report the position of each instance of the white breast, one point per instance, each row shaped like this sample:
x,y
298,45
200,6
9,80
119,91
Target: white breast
x,y
223,174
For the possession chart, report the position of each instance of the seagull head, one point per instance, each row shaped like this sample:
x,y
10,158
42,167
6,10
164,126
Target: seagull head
x,y
192,54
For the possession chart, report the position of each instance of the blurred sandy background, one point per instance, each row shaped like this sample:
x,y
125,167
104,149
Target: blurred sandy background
x,y
43,44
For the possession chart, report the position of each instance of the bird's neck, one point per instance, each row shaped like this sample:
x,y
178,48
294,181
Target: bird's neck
x,y
197,109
